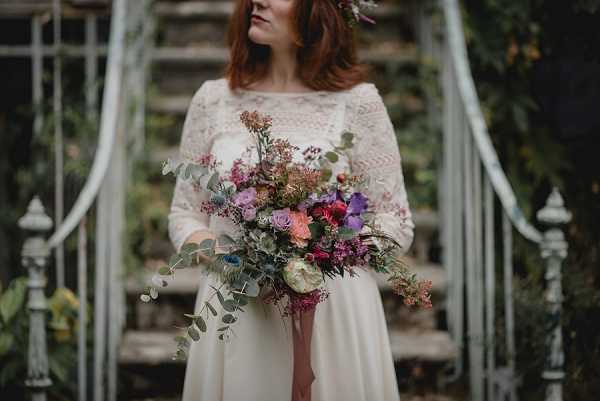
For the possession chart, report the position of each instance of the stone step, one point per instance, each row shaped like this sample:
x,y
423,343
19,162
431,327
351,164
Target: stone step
x,y
179,296
384,53
403,397
206,22
426,346
158,347
224,8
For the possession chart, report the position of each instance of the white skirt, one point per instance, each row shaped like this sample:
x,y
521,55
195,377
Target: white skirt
x,y
350,351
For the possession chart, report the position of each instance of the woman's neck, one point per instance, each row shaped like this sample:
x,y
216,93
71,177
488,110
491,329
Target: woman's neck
x,y
282,75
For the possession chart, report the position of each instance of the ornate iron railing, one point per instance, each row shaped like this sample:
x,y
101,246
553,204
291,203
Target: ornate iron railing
x,y
472,176
124,85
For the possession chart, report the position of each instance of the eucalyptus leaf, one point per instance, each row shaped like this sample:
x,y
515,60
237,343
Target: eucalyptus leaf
x,y
229,305
187,259
219,296
252,288
164,271
177,170
189,247
174,260
241,299
223,328
332,157
325,174
180,355
200,323
229,318
226,240
188,171
211,308
207,247
347,138
194,334
213,182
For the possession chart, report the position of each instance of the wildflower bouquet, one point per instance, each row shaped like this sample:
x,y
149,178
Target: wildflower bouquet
x,y
297,228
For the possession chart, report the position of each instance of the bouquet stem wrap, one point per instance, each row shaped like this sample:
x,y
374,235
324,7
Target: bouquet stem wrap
x,y
302,326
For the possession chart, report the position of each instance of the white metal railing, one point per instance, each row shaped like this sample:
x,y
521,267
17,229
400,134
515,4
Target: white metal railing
x,y
105,185
472,176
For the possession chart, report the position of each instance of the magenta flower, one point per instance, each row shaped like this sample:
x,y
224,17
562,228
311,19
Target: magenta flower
x,y
281,219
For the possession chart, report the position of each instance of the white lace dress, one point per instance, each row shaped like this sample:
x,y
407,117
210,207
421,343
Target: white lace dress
x,y
351,355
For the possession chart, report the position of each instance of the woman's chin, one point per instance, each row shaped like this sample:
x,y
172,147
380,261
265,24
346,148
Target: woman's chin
x,y
257,37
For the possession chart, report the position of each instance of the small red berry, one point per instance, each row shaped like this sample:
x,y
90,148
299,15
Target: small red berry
x,y
341,178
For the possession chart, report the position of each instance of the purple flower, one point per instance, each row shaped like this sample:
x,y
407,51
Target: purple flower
x,y
281,220
245,198
354,222
357,205
249,213
329,197
308,202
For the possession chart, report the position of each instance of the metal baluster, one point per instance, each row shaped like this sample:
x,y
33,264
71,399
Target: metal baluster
x,y
58,143
554,251
490,280
34,257
82,292
475,373
91,68
454,130
37,73
101,267
508,381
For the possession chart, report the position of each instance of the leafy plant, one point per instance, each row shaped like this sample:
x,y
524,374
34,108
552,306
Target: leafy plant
x,y
62,326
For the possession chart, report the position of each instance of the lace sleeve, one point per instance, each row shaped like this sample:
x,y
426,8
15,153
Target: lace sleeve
x,y
185,216
376,156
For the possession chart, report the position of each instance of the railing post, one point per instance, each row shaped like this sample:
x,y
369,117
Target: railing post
x,y
34,257
553,251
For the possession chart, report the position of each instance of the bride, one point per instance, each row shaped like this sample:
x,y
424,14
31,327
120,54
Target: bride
x,y
294,60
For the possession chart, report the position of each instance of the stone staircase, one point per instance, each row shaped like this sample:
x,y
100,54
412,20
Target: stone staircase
x,y
191,48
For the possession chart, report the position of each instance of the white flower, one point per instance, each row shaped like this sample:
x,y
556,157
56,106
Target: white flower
x,y
301,276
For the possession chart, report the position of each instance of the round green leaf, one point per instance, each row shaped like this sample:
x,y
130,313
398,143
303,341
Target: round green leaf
x,y
229,318
193,333
332,157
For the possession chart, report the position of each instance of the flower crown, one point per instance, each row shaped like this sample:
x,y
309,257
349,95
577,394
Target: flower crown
x,y
353,9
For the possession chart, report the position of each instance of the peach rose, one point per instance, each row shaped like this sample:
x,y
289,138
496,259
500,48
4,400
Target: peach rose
x,y
299,232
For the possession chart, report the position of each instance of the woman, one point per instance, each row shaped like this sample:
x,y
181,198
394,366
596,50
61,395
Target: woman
x,y
294,60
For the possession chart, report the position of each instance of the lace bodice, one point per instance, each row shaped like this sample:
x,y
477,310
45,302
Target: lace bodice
x,y
318,118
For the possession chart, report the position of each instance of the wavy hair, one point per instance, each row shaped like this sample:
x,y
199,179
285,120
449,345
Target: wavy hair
x,y
325,43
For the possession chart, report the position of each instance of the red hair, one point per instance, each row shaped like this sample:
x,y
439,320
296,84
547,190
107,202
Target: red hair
x,y
325,43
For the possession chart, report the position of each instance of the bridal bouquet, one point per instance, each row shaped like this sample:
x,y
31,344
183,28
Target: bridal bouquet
x,y
298,228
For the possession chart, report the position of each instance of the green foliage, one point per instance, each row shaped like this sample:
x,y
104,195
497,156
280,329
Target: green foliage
x,y
62,327
412,102
507,42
